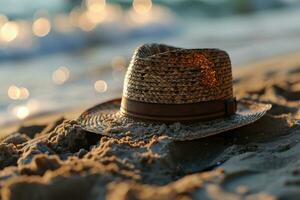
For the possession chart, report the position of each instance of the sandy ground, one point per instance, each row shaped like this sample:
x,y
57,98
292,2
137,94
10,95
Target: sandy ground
x,y
49,157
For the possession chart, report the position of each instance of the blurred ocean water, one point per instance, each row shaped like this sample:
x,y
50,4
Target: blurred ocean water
x,y
81,69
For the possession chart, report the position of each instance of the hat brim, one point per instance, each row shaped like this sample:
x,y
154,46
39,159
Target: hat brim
x,y
105,119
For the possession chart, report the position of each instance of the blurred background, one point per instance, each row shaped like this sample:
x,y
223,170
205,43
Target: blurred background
x,y
62,54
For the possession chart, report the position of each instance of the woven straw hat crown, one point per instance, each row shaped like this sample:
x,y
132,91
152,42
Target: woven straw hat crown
x,y
167,85
168,75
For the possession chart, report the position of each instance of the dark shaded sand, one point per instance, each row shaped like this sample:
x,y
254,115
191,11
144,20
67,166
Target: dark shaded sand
x,y
58,160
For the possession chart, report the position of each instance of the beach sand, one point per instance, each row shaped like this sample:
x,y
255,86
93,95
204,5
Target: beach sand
x,y
50,157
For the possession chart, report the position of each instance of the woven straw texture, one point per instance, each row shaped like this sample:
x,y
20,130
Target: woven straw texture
x,y
105,119
169,75
164,74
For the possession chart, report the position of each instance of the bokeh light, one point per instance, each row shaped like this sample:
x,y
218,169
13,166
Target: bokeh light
x,y
142,6
24,93
13,92
41,27
143,12
9,31
61,75
85,23
18,93
21,112
96,17
100,86
95,5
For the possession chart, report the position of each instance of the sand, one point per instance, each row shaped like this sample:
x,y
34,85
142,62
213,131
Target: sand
x,y
53,158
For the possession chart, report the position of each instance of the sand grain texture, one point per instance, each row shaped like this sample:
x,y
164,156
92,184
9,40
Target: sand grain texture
x,y
258,161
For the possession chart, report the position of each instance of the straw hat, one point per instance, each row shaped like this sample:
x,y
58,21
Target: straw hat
x,y
184,94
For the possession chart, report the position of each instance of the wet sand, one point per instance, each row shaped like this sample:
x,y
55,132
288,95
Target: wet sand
x,y
51,157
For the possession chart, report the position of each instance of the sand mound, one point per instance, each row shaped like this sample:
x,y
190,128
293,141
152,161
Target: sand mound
x,y
259,161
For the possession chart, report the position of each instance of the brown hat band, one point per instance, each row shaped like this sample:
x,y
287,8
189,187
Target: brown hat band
x,y
178,112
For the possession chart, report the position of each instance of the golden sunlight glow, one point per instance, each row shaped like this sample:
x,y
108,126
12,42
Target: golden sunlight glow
x,y
61,75
14,92
18,93
85,23
100,86
95,5
118,63
3,19
140,19
142,6
96,17
41,27
156,14
9,31
24,93
21,112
